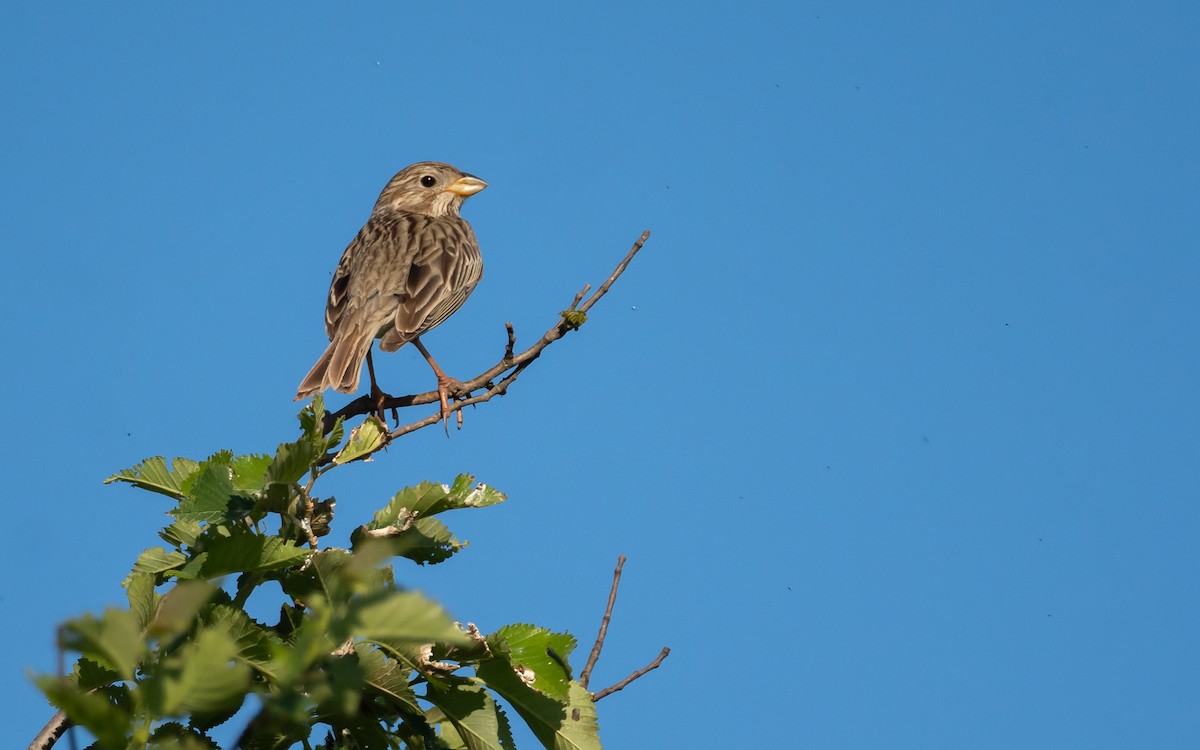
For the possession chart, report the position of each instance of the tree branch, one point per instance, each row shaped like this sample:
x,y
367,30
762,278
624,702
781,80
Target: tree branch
x,y
510,365
54,729
639,673
593,657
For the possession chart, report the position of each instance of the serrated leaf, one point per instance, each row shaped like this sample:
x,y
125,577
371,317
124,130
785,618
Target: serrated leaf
x,y
153,474
202,676
579,730
543,714
249,471
193,567
364,440
425,541
477,719
428,499
523,673
113,640
336,574
180,533
158,560
388,678
528,647
256,643
467,493
175,736
292,461
208,496
311,416
403,616
89,675
143,599
233,550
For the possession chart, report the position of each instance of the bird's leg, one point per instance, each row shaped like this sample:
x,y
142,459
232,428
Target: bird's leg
x,y
377,394
445,384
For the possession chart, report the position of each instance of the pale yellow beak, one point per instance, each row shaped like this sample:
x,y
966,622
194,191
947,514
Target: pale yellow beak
x,y
466,186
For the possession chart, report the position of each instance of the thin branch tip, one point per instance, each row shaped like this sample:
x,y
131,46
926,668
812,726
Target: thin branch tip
x,y
658,660
594,656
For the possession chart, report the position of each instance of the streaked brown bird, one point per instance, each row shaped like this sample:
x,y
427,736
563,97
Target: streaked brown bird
x,y
408,269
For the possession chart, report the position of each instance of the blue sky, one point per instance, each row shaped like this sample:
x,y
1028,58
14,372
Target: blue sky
x,y
895,416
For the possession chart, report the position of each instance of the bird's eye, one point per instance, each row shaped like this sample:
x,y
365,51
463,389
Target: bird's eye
x,y
428,180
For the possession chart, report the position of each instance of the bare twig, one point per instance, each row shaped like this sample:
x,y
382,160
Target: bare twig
x,y
512,341
639,673
510,365
586,674
579,296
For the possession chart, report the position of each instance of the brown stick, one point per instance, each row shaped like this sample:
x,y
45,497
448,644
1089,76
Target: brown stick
x,y
485,381
54,729
593,657
639,673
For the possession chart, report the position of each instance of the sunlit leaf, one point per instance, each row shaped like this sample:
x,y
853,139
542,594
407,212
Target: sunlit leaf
x,y
153,474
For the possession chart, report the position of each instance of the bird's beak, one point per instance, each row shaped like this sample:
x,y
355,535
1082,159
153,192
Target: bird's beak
x,y
466,186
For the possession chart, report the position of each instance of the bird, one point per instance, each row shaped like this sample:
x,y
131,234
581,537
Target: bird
x,y
409,268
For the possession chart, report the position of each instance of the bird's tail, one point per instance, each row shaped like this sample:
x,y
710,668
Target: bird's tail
x,y
339,367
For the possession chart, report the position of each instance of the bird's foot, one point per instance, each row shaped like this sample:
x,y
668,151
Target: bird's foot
x,y
380,398
449,387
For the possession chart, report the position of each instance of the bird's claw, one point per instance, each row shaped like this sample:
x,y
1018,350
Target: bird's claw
x,y
447,387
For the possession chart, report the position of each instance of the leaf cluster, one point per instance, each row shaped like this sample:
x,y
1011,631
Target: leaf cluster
x,y
352,660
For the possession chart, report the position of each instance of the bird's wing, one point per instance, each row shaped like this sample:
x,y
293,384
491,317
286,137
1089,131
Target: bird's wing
x,y
445,269
365,279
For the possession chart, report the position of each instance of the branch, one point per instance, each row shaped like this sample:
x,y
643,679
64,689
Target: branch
x,y
593,657
54,729
639,673
508,369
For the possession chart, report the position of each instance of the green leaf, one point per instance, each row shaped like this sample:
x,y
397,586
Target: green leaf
x,y
388,679
256,643
143,600
180,533
202,676
158,560
235,549
89,675
403,616
177,609
466,493
477,719
428,499
112,640
153,474
311,417
579,730
404,522
336,574
426,541
95,711
364,440
294,460
523,673
250,471
208,497
175,736
528,647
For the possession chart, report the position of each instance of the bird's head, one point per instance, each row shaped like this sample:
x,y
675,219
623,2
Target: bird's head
x,y
428,187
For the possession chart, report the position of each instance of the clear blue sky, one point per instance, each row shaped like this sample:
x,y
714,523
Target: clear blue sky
x,y
896,416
